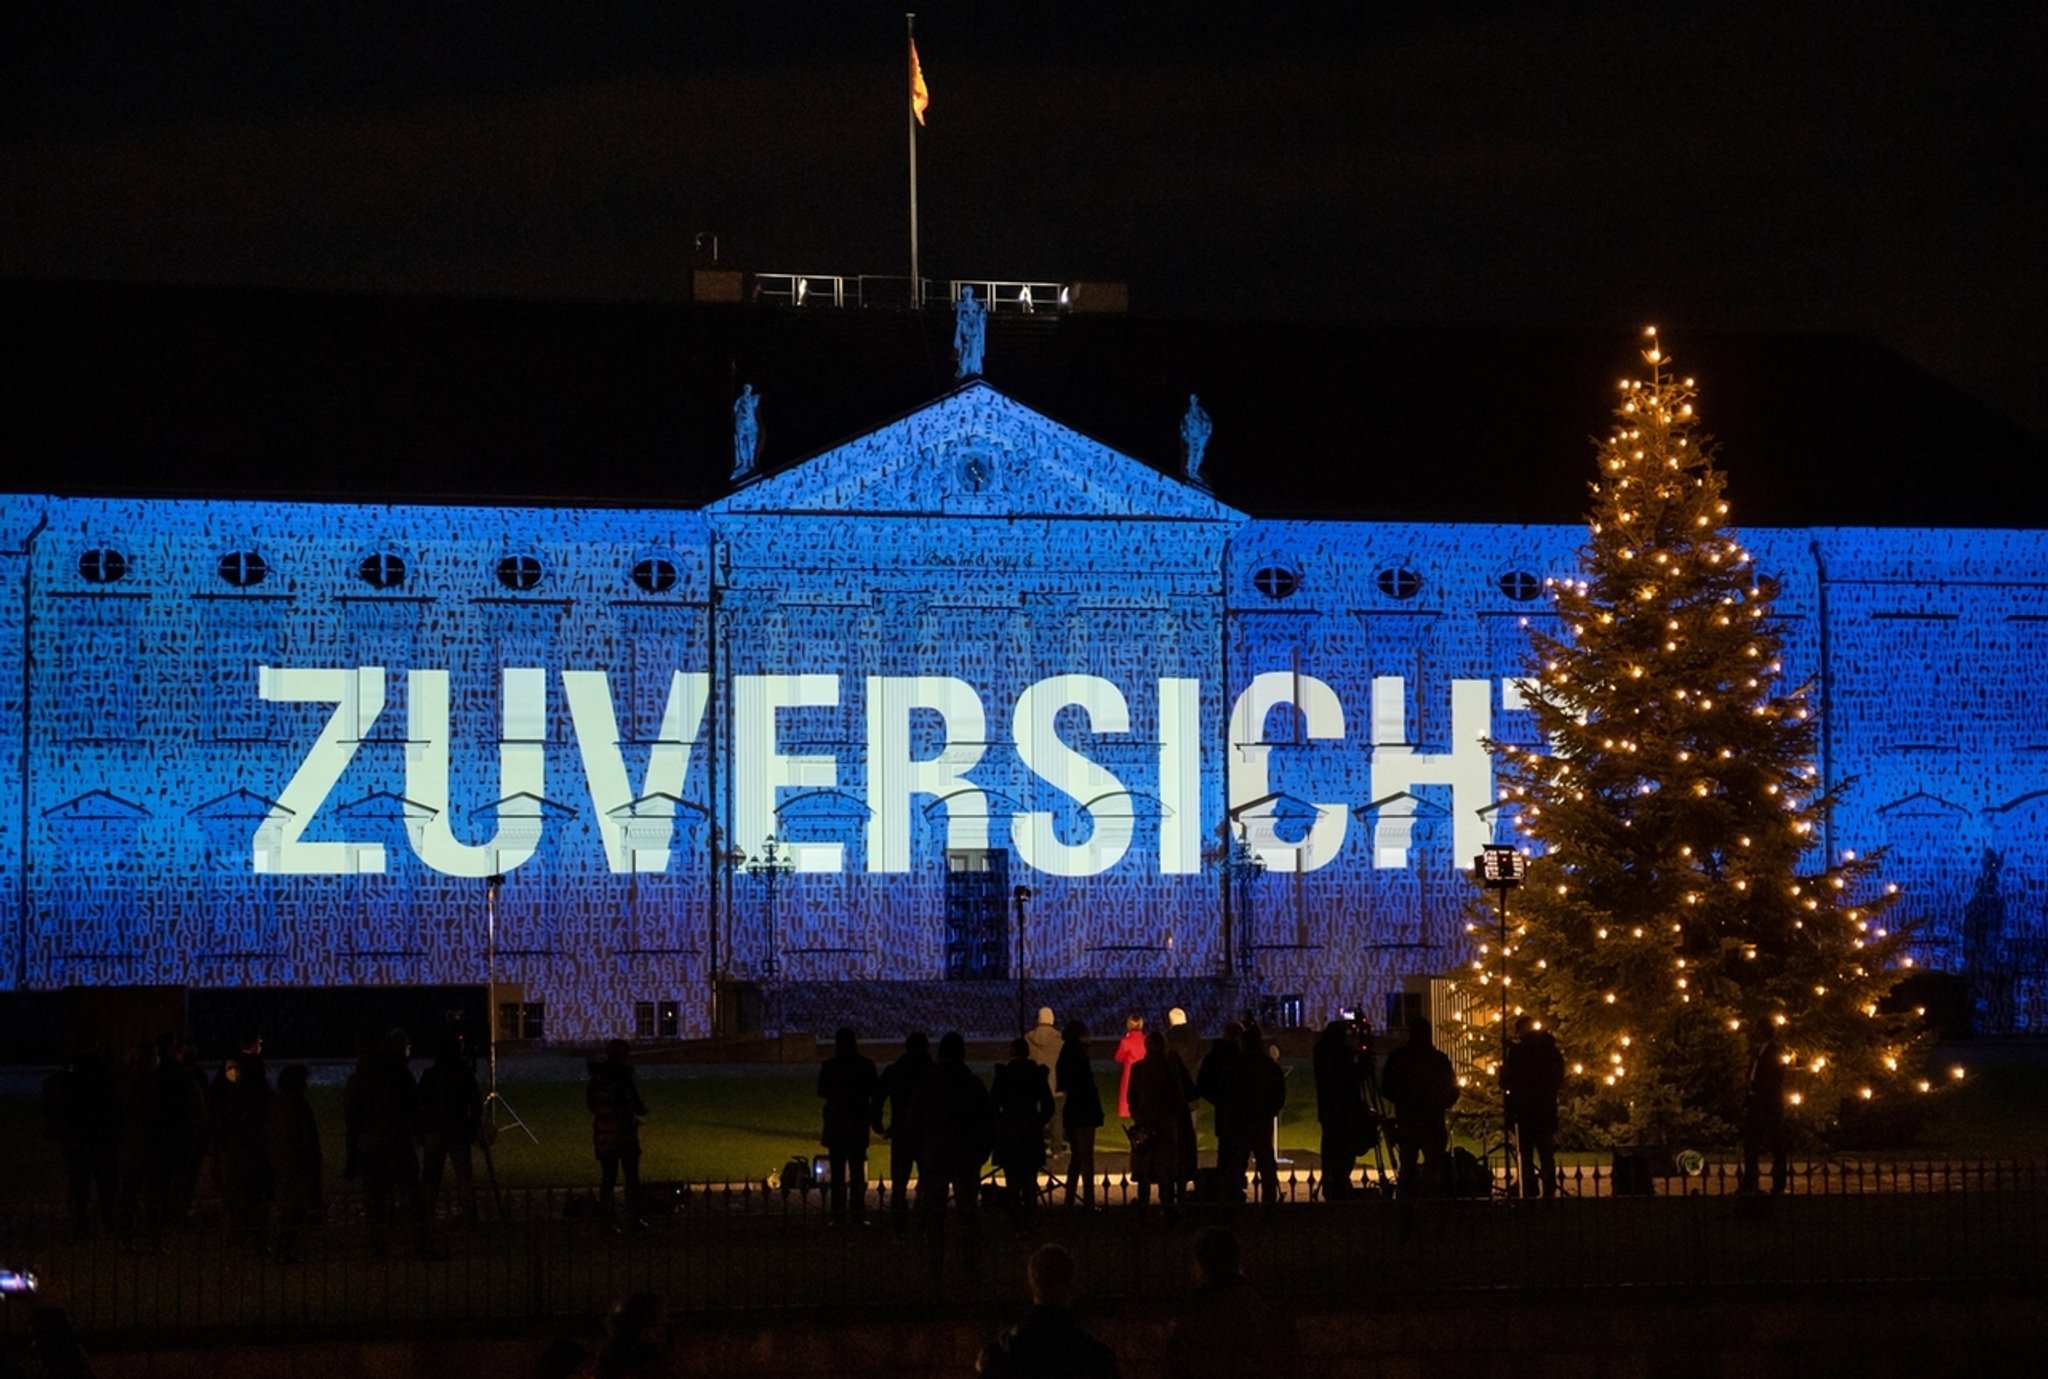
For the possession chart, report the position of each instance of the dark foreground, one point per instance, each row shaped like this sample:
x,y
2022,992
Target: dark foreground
x,y
762,1275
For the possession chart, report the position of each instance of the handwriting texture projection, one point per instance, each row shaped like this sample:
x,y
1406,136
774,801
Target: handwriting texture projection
x,y
969,651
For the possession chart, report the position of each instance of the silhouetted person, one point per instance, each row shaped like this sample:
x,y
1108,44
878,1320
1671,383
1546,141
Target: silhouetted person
x,y
145,1143
1423,1086
1160,1088
1253,1091
241,1168
899,1095
636,1340
847,1083
1129,1050
1082,1112
451,1119
82,1116
1044,1039
381,1111
1340,1073
1186,1046
1050,1343
1183,1039
1763,1115
955,1115
1228,1329
1021,1104
185,1087
1530,1081
1209,1074
613,1099
291,1137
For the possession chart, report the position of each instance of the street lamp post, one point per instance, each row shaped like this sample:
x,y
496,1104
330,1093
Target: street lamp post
x,y
1243,866
770,867
1500,868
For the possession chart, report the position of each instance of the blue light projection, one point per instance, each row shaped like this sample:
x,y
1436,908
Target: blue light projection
x,y
283,743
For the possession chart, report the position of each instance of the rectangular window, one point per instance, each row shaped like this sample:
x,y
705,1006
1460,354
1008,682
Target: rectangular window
x,y
655,1019
522,1020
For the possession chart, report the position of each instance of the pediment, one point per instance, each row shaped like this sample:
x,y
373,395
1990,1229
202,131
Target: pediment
x,y
238,804
96,807
1920,804
975,452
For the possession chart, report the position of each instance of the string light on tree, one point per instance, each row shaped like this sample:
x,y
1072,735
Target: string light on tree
x,y
1675,903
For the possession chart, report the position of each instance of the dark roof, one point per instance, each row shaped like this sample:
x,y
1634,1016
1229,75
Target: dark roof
x,y
258,392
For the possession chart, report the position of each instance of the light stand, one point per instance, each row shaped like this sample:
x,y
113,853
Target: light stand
x,y
1500,868
771,866
1020,896
492,1101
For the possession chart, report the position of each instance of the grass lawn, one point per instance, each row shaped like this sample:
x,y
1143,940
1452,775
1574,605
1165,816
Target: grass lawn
x,y
742,1123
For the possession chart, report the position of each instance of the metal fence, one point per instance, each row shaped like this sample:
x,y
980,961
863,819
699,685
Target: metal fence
x,y
544,1254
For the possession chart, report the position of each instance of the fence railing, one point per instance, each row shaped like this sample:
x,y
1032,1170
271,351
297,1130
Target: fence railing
x,y
541,1254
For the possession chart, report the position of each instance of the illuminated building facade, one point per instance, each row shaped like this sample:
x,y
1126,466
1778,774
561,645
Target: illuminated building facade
x,y
972,651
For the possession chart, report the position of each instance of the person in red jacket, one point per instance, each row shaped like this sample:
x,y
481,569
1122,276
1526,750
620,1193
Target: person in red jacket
x,y
1129,1051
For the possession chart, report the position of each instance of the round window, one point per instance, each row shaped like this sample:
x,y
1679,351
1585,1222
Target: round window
x,y
654,575
102,565
1398,582
243,569
520,572
1520,585
382,570
1275,581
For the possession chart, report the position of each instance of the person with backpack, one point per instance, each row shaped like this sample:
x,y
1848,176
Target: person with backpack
x,y
1530,1081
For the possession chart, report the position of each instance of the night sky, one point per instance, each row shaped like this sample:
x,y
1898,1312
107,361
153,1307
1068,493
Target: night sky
x,y
1575,166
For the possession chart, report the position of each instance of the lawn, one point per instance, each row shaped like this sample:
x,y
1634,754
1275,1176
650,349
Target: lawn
x,y
742,1123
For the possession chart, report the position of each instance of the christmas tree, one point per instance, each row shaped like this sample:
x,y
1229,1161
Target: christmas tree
x,y
1677,902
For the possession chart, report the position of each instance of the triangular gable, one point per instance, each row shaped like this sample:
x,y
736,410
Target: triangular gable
x,y
975,452
1920,804
96,806
383,804
525,805
1280,807
239,803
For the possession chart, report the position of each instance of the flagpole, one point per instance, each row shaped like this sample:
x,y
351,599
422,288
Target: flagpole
x,y
910,117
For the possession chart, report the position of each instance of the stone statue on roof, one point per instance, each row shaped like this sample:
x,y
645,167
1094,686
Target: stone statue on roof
x,y
746,432
970,334
1194,438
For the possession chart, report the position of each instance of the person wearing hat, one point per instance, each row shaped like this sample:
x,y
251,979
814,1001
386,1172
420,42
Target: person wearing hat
x,y
1044,1041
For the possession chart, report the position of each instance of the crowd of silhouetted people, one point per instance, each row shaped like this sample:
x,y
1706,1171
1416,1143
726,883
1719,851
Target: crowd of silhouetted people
x,y
139,1140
